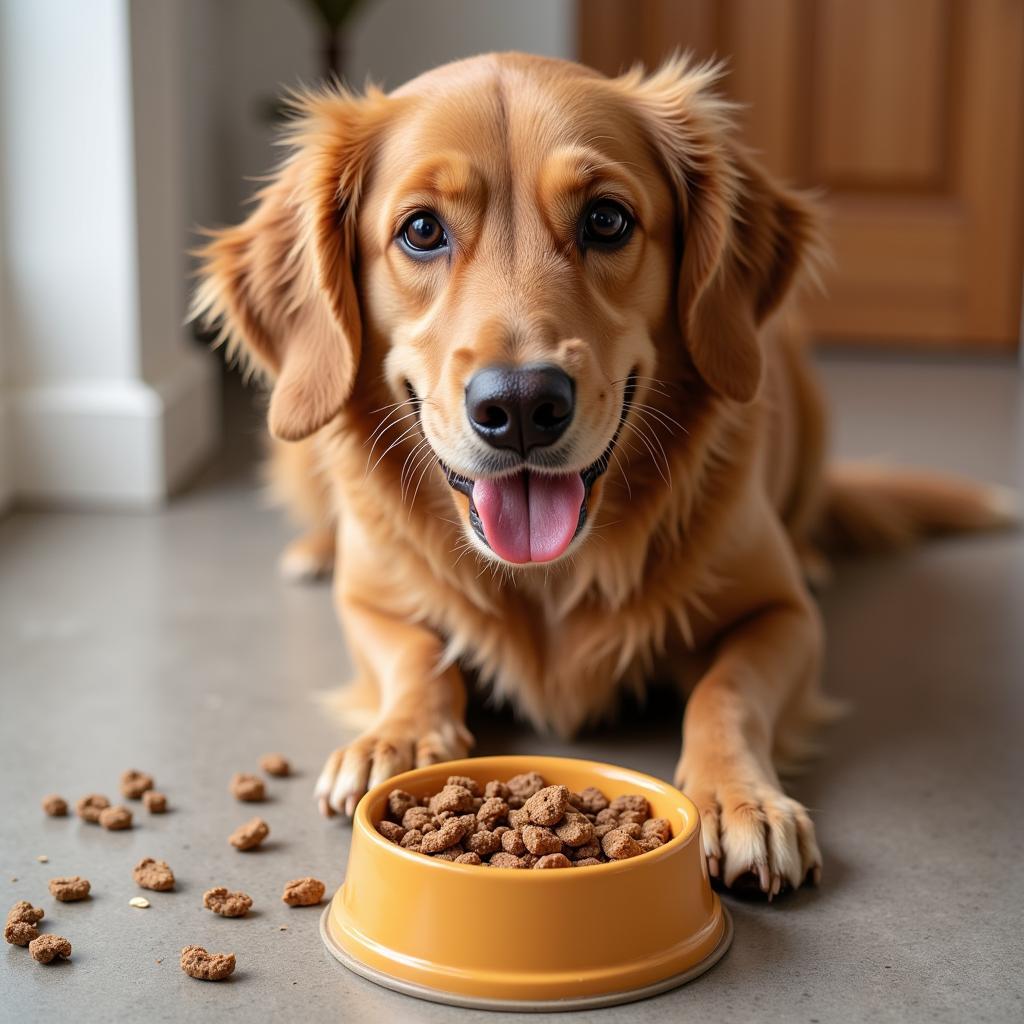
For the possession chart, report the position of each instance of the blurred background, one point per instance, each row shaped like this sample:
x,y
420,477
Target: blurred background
x,y
125,124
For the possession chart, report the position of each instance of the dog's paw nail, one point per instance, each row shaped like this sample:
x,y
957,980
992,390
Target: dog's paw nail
x,y
324,806
776,887
713,867
816,875
350,805
764,878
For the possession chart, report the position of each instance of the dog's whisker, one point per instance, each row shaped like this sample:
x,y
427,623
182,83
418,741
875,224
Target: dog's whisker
x,y
427,464
419,452
642,435
390,447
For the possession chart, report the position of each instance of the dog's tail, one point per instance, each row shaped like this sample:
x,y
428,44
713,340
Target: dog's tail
x,y
869,506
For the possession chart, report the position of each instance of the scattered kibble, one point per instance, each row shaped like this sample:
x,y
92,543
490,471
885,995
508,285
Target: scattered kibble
x,y
153,874
55,806
47,948
197,963
275,764
249,835
248,788
154,801
22,919
43,859
304,892
225,903
70,889
139,902
90,807
522,823
134,783
116,818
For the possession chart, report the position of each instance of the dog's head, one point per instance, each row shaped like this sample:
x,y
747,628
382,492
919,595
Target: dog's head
x,y
520,249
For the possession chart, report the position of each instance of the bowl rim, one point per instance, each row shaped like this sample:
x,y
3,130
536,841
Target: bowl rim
x,y
361,820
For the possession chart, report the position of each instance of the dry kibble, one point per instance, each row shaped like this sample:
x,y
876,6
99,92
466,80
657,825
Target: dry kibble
x,y
248,788
517,817
24,911
275,764
197,963
20,933
552,860
541,841
153,874
575,830
483,843
139,902
55,806
412,839
249,835
657,829
399,803
90,807
456,799
154,801
450,833
134,784
49,947
592,800
631,808
491,811
496,789
70,889
389,830
228,904
505,860
417,817
304,892
522,823
619,845
466,783
548,805
526,784
116,818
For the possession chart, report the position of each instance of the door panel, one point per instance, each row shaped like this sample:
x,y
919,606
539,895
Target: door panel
x,y
908,115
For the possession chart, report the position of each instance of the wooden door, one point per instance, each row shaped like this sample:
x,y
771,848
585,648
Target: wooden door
x,y
908,114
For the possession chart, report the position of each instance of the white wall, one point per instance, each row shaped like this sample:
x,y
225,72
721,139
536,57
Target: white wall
x,y
107,402
263,46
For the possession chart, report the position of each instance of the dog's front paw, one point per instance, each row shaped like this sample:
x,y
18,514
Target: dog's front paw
x,y
381,752
754,831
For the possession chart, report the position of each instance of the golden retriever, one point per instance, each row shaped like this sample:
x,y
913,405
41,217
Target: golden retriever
x,y
533,385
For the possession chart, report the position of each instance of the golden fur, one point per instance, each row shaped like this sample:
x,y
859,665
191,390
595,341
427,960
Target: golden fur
x,y
690,565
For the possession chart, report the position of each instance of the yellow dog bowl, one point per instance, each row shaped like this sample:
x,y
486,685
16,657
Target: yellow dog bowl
x,y
572,938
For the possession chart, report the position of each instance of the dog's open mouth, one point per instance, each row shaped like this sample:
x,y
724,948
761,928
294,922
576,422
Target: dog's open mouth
x,y
533,516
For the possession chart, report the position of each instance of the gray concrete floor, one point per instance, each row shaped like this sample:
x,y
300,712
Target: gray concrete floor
x,y
166,642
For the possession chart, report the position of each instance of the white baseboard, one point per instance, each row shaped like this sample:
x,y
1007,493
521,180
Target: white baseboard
x,y
6,469
121,443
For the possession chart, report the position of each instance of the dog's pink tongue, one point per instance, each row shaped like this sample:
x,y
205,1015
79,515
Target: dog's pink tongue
x,y
529,518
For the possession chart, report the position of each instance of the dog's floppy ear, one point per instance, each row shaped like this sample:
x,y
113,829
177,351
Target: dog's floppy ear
x,y
743,238
281,284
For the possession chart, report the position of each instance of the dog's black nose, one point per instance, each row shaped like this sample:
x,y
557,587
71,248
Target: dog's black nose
x,y
520,409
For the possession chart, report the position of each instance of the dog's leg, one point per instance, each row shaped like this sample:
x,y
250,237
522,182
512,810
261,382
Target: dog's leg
x,y
421,719
768,660
296,479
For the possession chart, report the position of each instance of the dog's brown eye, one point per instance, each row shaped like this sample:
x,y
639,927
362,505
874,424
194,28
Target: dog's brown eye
x,y
606,223
423,233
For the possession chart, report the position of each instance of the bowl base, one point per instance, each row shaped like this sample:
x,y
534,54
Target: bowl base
x,y
432,995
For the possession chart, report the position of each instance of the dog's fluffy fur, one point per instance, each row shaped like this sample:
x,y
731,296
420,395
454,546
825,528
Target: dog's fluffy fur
x,y
716,496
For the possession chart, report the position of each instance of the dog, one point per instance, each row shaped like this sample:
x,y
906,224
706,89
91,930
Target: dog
x,y
540,397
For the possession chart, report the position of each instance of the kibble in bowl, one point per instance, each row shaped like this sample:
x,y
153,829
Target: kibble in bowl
x,y
532,843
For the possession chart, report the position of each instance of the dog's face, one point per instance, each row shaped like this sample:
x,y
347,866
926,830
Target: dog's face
x,y
519,247
517,268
